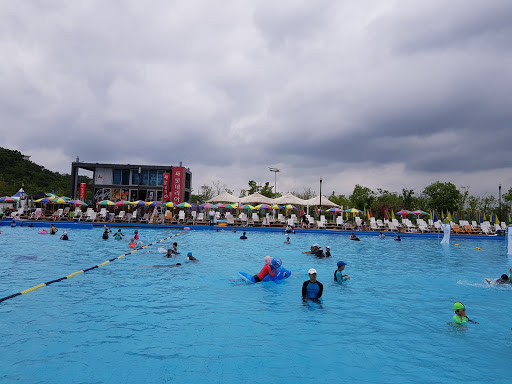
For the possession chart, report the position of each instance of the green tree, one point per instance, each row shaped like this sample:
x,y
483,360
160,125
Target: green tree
x,y
407,198
253,187
386,201
266,190
442,196
362,197
507,199
205,193
341,200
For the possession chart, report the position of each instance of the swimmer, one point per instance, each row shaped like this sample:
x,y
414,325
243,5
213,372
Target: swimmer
x,y
22,224
172,251
289,229
504,279
13,223
287,240
191,258
338,274
105,234
234,229
397,238
53,230
136,235
312,289
132,242
118,235
327,251
381,235
354,237
243,237
270,268
460,317
31,225
64,236
315,250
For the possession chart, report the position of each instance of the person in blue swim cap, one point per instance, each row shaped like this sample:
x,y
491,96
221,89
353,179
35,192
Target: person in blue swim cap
x,y
338,274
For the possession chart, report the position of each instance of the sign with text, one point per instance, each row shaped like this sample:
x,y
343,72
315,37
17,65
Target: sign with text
x,y
165,186
83,191
177,185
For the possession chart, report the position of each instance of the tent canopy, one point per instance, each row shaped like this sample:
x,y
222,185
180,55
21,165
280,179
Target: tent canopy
x,y
289,199
315,201
256,198
224,197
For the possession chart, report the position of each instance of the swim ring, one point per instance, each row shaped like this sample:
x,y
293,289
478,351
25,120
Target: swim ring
x,y
187,228
43,232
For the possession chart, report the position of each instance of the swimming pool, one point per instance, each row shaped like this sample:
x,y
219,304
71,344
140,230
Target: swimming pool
x,y
200,322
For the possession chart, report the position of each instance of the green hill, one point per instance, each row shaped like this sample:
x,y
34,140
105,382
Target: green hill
x,y
16,172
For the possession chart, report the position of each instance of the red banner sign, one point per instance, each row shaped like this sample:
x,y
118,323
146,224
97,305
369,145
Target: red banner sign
x,y
177,185
165,186
83,191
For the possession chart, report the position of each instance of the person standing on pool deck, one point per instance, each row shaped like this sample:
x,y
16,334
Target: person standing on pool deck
x,y
338,274
460,317
243,237
212,216
312,289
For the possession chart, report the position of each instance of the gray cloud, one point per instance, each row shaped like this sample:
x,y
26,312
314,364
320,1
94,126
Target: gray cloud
x,y
372,93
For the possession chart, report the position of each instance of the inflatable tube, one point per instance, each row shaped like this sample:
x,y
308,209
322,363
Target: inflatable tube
x,y
281,274
43,232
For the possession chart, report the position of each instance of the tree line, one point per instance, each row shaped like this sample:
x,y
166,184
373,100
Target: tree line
x,y
16,172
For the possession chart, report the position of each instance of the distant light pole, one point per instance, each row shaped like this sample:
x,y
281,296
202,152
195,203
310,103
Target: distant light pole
x,y
500,198
275,170
320,192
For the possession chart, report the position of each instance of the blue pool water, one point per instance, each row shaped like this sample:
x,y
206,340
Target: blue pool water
x,y
201,323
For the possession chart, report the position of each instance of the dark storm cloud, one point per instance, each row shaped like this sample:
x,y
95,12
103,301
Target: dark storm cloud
x,y
411,87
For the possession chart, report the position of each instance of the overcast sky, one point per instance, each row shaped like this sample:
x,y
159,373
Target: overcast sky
x,y
387,94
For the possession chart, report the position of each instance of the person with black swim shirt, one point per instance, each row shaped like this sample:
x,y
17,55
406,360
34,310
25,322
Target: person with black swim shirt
x,y
312,289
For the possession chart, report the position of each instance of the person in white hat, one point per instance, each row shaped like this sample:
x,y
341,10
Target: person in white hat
x,y
64,236
312,289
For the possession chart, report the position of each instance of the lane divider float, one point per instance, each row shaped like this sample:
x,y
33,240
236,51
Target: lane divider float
x,y
85,270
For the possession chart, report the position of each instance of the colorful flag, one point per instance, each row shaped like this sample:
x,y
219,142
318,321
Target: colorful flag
x,y
496,221
386,217
442,214
371,214
449,216
393,215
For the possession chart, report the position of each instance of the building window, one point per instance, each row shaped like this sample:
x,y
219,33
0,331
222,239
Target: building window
x,y
125,177
135,177
116,179
152,177
160,178
144,178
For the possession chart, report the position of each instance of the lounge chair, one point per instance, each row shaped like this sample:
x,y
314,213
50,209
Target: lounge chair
x,y
181,216
120,216
456,229
230,220
339,221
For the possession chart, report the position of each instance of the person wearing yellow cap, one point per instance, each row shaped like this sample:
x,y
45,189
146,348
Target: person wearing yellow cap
x,y
460,317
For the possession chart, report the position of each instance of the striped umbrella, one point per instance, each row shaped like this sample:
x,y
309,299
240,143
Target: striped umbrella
x,y
170,204
208,206
184,205
139,202
77,202
7,199
58,200
105,202
123,202
263,206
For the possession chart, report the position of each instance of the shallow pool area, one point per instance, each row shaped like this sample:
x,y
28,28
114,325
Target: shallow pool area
x,y
130,323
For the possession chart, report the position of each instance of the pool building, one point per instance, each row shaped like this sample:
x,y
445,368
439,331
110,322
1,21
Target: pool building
x,y
134,182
